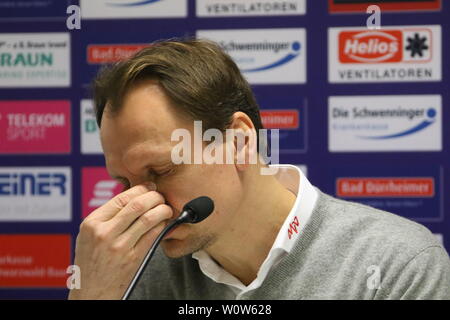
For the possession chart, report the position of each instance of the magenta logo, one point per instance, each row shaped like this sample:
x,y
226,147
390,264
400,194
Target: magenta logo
x,y
35,127
97,188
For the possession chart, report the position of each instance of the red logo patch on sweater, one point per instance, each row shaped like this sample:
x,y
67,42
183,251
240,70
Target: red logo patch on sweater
x,y
293,227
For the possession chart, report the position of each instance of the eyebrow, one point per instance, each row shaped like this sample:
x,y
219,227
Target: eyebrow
x,y
150,165
117,177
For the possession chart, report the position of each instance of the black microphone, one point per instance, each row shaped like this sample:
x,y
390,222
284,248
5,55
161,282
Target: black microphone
x,y
194,211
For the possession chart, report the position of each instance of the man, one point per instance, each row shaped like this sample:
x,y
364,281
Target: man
x,y
271,236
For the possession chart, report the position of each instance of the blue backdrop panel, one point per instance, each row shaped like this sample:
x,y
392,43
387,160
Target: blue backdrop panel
x,y
303,144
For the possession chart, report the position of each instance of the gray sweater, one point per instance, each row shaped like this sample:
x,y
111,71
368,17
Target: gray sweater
x,y
346,251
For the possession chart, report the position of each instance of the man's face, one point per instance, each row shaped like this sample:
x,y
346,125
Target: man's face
x,y
137,146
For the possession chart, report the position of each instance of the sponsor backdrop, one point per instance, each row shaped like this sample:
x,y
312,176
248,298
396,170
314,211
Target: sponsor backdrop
x,y
364,112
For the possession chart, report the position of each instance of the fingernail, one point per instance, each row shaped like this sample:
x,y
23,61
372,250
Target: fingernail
x,y
150,186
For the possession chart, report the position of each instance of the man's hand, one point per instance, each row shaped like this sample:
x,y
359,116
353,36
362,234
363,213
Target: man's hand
x,y
114,239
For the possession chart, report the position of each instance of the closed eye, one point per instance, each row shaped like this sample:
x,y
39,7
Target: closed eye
x,y
161,173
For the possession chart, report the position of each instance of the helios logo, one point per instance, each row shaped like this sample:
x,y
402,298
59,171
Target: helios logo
x,y
265,55
400,53
385,123
372,47
35,194
385,46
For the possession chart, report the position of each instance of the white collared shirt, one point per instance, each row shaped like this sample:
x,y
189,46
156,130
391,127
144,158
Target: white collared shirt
x,y
294,180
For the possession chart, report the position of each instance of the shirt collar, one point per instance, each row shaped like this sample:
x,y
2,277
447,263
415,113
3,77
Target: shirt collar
x,y
306,196
295,180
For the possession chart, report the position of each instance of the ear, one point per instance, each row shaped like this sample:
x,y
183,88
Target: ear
x,y
243,133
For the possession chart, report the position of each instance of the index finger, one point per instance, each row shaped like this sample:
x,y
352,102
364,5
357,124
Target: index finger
x,y
114,205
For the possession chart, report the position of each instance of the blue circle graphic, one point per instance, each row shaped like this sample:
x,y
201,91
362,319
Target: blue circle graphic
x,y
431,113
296,46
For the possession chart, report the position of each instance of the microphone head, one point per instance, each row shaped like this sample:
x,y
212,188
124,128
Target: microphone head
x,y
200,208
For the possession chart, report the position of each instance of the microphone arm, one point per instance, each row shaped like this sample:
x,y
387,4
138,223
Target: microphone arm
x,y
186,216
194,211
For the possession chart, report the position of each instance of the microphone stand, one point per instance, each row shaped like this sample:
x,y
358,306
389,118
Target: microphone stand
x,y
184,217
